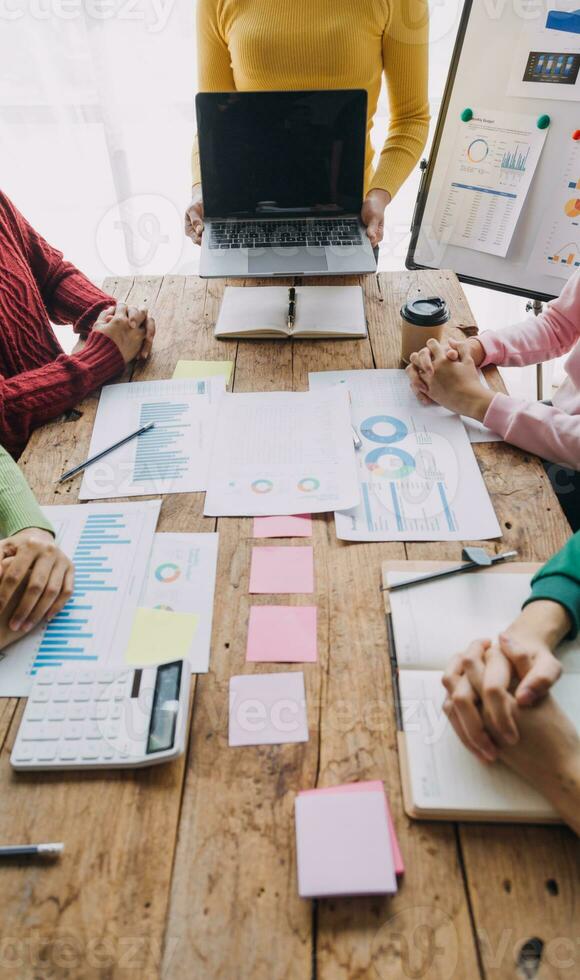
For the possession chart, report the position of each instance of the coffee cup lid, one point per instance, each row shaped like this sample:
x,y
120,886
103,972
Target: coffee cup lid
x,y
426,311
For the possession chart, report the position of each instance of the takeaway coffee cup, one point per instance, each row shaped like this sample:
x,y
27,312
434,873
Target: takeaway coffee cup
x,y
422,319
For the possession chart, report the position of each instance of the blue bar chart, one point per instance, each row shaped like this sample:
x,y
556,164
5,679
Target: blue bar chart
x,y
161,452
110,547
170,457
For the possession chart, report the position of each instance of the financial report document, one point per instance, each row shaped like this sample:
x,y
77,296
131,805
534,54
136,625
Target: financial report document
x,y
490,171
419,479
110,545
181,578
282,453
171,457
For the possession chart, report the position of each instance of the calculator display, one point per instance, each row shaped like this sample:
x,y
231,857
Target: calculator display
x,y
165,707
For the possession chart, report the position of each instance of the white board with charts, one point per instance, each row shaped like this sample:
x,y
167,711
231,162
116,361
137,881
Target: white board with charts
x,y
499,202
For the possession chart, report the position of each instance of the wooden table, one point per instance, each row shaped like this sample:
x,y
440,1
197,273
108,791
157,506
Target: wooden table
x,y
188,870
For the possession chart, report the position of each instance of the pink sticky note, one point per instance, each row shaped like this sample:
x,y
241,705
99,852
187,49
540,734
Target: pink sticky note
x,y
370,786
267,709
298,526
282,634
282,570
342,845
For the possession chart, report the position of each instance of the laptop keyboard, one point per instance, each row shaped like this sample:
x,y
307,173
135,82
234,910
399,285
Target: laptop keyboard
x,y
284,234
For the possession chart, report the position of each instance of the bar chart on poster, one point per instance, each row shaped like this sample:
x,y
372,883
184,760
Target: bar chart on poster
x,y
171,456
110,547
499,201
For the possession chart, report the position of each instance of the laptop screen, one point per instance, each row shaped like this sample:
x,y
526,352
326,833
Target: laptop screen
x,y
269,154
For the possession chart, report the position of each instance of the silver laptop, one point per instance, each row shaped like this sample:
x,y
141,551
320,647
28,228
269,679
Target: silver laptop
x,y
282,177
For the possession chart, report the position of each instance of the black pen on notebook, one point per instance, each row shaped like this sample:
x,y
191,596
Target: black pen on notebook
x,y
31,850
291,308
104,452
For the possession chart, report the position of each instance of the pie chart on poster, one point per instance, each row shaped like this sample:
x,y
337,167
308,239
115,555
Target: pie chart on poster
x,y
572,207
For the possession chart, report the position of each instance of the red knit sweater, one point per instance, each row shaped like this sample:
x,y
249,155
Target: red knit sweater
x,y
38,382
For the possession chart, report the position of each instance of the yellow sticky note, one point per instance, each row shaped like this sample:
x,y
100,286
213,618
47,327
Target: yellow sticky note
x,y
203,369
159,636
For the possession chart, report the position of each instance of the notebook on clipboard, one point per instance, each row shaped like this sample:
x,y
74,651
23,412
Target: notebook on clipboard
x,y
427,624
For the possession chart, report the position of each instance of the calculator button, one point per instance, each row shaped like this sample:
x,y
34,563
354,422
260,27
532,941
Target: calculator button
x,y
115,712
84,677
45,678
93,731
54,712
36,712
82,693
41,732
99,711
77,712
68,752
40,695
61,694
111,731
46,751
73,731
106,676
67,677
23,753
90,751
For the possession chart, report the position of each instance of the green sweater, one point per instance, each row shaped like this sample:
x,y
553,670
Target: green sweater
x,y
18,506
559,580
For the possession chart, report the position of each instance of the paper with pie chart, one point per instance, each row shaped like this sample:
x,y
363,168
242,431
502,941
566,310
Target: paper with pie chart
x,y
181,578
492,165
557,247
418,476
282,453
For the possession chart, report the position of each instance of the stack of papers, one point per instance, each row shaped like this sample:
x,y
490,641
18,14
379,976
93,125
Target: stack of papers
x,y
346,842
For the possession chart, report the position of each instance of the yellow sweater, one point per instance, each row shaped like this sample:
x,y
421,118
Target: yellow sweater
x,y
259,45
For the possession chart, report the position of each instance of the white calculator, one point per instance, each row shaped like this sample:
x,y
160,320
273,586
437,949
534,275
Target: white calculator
x,y
101,719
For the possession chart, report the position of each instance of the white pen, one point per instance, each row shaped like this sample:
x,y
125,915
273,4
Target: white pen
x,y
355,437
32,850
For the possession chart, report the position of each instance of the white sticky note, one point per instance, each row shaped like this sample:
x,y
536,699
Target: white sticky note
x,y
267,709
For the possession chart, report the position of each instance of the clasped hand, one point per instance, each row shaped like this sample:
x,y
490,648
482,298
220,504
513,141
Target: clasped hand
x,y
447,374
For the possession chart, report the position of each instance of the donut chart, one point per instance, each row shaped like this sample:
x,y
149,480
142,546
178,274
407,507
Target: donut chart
x,y
368,429
167,572
477,151
375,463
308,484
262,486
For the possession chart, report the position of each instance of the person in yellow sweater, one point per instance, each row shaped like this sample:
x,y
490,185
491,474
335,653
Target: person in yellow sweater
x,y
273,45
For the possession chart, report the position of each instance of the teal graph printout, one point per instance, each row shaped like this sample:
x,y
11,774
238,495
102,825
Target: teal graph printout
x,y
418,477
110,545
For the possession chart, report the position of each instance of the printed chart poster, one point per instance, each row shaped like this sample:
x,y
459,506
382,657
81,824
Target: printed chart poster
x,y
547,65
418,477
491,169
557,247
110,546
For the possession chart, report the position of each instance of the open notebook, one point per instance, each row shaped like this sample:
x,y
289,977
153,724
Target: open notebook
x,y
321,311
429,623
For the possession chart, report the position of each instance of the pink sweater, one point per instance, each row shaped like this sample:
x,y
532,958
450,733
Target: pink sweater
x,y
553,433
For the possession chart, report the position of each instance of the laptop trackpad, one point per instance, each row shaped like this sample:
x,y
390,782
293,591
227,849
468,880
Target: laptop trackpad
x,y
288,260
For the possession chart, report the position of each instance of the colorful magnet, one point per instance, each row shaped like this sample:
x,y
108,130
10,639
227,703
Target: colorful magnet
x,y
543,122
576,134
466,115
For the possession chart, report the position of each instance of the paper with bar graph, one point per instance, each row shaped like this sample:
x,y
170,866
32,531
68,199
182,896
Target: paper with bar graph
x,y
110,545
492,165
418,477
557,247
172,457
